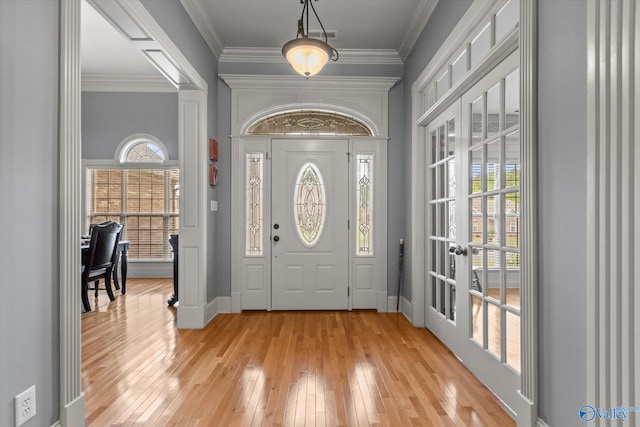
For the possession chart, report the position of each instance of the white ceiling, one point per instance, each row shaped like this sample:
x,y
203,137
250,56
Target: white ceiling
x,y
365,27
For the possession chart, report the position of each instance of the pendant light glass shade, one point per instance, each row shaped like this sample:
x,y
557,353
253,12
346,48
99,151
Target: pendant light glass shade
x,y
307,56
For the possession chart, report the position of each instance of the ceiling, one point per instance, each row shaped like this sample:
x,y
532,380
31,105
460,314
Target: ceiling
x,y
233,28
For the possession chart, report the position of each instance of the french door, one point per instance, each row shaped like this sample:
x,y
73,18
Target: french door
x,y
309,213
445,222
473,229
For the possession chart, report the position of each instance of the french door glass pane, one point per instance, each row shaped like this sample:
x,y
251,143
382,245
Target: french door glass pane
x,y
476,170
493,329
476,121
434,147
512,98
493,111
477,225
451,187
477,267
492,168
513,340
493,275
442,147
512,160
493,220
451,209
434,291
451,137
477,320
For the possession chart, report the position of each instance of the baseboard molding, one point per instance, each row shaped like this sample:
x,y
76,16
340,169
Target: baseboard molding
x,y
407,309
191,317
406,306
155,269
72,414
541,423
57,424
216,306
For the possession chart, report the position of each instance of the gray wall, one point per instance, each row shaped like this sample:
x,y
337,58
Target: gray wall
x,y
444,18
29,332
176,23
562,150
108,118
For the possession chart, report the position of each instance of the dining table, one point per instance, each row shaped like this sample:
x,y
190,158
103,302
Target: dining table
x,y
123,247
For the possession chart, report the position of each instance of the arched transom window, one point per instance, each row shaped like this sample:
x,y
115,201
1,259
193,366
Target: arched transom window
x,y
310,122
142,149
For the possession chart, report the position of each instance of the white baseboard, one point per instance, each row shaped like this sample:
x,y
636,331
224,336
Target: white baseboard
x,y
191,317
57,424
216,306
153,269
72,414
406,306
541,423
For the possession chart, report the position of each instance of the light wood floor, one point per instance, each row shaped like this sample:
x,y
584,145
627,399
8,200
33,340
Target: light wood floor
x,y
355,368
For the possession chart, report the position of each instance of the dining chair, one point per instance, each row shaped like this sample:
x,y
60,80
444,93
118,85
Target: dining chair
x,y
100,257
116,282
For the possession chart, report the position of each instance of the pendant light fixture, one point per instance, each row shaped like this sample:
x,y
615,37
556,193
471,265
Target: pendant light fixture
x,y
306,55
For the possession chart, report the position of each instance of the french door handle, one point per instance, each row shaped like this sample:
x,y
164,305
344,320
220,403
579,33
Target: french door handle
x,y
458,250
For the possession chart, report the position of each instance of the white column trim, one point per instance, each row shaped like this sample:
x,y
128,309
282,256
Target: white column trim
x,y
528,412
70,199
192,269
613,205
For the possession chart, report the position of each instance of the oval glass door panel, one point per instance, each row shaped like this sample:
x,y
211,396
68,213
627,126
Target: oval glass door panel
x,y
309,204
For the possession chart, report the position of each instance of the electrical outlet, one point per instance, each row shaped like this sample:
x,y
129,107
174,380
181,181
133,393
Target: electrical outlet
x,y
25,405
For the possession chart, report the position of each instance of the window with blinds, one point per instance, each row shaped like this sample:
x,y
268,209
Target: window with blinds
x,y
145,200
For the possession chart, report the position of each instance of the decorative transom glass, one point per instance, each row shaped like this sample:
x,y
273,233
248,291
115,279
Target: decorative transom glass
x,y
144,152
308,122
309,204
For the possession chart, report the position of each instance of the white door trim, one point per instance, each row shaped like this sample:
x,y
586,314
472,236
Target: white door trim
x,y
255,97
70,199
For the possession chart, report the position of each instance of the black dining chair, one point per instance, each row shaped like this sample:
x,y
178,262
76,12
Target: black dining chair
x,y
100,258
116,282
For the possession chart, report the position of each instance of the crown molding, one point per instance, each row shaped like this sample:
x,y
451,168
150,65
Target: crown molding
x,y
417,24
246,81
196,12
119,83
347,56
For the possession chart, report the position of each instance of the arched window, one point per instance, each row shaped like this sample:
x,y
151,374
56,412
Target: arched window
x,y
141,191
141,148
310,122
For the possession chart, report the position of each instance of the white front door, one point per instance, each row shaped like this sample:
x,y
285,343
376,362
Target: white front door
x,y
309,225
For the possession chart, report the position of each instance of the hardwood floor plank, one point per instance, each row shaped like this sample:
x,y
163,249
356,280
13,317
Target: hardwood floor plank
x,y
357,368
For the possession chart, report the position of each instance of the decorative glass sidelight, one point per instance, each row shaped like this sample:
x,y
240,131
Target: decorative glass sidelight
x,y
254,200
309,204
364,195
